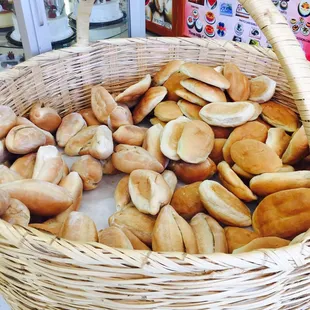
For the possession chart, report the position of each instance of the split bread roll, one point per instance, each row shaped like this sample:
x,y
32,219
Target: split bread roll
x,y
251,130
115,238
89,117
217,153
135,91
45,118
262,243
280,116
172,233
278,140
186,201
284,214
262,88
4,201
130,134
120,116
148,191
227,114
16,214
189,109
8,120
70,125
148,102
239,89
7,175
196,142
136,243
190,97
167,111
190,173
79,227
102,103
209,234
24,165
255,157
128,158
41,198
24,139
233,183
173,84
223,205
297,149
269,183
207,92
238,237
121,193
140,224
166,71
205,74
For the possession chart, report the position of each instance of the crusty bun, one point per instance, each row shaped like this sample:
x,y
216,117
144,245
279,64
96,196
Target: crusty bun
x,y
8,120
17,214
280,116
258,110
189,109
207,92
297,148
239,89
24,165
223,205
251,130
167,111
7,175
217,153
171,179
233,183
221,132
89,117
190,173
173,84
227,114
243,174
114,237
130,134
121,193
205,74
262,88
136,243
4,201
190,97
166,71
148,102
278,140
255,157
120,116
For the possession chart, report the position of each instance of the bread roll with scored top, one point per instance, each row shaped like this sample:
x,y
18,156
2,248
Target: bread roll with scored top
x,y
7,175
120,116
136,243
89,117
17,213
8,120
24,165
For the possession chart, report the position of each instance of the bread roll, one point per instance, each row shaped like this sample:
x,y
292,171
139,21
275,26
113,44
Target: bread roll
x,y
233,183
7,175
17,213
167,111
258,110
262,88
148,191
120,116
166,71
130,134
45,118
121,193
172,233
239,89
127,158
4,153
251,130
221,132
65,169
77,142
237,237
255,157
284,214
170,137
278,140
89,117
186,201
297,148
135,91
140,224
102,103
190,173
171,180
196,142
217,153
207,92
70,125
136,243
24,165
115,238
227,114
262,243
190,97
90,171
209,234
155,121
173,84
280,116
223,205
148,102
50,226
49,165
108,167
8,120
79,227
205,74
41,198
189,110
242,173
4,201
24,139
269,183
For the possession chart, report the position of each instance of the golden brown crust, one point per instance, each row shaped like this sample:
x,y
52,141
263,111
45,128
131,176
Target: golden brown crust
x,y
189,109
89,117
120,116
115,238
190,97
167,111
166,71
217,153
278,140
173,84
130,134
8,120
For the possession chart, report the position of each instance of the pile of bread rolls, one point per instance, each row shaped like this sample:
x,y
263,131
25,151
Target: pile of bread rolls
x,y
216,143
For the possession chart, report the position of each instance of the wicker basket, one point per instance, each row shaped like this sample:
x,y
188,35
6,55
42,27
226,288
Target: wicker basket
x,y
40,271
